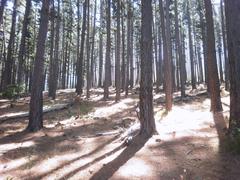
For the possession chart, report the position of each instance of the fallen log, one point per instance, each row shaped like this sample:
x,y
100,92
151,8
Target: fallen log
x,y
46,109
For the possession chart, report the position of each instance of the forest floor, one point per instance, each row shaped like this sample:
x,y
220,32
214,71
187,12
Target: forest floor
x,y
84,141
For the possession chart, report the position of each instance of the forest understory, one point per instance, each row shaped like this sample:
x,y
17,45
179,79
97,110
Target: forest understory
x,y
91,139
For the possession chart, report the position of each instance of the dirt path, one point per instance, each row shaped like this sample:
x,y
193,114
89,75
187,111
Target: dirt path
x,y
189,144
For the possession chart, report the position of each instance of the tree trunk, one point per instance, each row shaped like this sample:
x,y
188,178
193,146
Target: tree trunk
x,y
101,45
23,42
7,75
179,51
167,54
3,3
227,87
55,68
88,51
214,85
123,73
107,81
193,78
146,85
118,79
36,102
233,39
79,69
51,61
129,14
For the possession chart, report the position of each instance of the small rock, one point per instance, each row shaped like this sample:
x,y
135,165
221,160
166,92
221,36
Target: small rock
x,y
90,171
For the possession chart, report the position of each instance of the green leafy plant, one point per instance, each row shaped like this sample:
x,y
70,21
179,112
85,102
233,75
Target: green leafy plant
x,y
12,91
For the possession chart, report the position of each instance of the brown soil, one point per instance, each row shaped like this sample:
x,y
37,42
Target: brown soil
x,y
190,144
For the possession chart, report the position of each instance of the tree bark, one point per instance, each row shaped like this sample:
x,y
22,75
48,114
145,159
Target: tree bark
x,y
146,85
118,79
107,81
36,103
233,38
214,85
79,69
167,54
22,49
8,70
193,78
179,51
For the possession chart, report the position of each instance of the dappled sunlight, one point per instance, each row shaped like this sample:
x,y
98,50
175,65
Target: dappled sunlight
x,y
10,164
135,168
113,108
185,121
12,114
10,146
85,141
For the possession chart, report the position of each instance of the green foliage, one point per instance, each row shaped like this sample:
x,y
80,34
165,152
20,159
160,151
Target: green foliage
x,y
233,144
12,91
85,108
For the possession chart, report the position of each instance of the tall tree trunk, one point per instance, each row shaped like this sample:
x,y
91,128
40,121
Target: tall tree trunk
x,y
88,51
146,85
214,85
227,87
167,54
101,45
129,14
36,103
123,73
118,79
193,78
179,50
51,61
233,39
7,75
3,3
107,81
93,44
79,68
55,68
23,42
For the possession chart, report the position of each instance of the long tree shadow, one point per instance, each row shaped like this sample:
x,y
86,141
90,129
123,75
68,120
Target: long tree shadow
x,y
221,128
97,149
109,169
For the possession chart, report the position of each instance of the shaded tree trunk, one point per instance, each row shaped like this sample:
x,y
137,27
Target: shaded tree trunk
x,y
55,65
233,39
36,103
100,45
8,70
79,68
193,78
118,79
146,84
179,51
22,49
3,3
227,86
214,85
167,54
107,81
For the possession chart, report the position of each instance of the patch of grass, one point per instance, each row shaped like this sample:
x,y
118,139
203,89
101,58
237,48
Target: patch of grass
x,y
232,144
85,108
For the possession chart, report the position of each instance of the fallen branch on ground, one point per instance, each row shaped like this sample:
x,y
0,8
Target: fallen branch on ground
x,y
46,109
